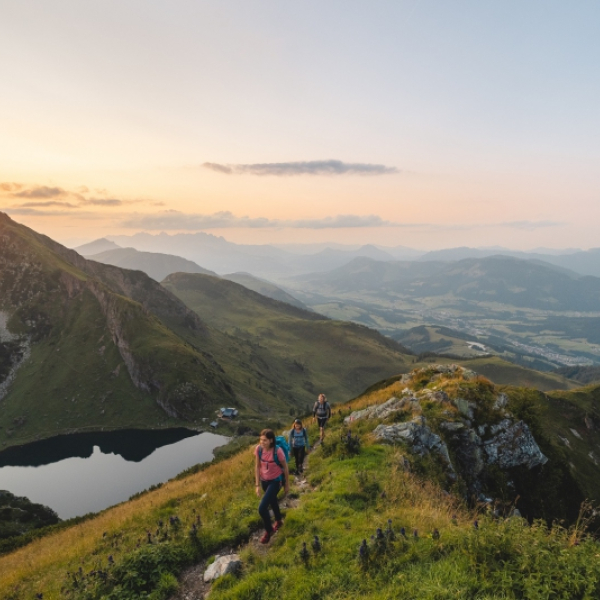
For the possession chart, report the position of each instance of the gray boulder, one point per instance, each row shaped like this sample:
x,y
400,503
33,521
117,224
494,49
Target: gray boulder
x,y
380,411
418,435
513,445
223,565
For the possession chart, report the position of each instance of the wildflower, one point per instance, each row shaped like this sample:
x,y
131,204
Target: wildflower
x,y
111,560
363,553
476,524
436,534
415,534
403,532
304,554
389,532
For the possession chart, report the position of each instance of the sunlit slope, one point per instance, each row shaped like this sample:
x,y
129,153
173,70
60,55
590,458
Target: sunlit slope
x,y
300,349
503,372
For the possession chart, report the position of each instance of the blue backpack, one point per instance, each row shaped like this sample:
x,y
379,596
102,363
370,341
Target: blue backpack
x,y
280,442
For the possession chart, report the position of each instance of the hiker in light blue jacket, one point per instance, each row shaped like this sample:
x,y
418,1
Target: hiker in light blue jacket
x,y
298,442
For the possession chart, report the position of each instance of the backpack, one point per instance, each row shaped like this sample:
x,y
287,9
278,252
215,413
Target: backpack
x,y
322,410
303,434
280,442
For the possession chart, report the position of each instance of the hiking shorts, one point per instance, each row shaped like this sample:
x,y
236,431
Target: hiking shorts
x,y
322,420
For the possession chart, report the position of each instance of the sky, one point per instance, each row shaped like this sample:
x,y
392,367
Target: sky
x,y
422,123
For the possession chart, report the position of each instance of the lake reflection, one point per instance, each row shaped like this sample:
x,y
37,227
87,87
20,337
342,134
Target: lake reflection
x,y
85,473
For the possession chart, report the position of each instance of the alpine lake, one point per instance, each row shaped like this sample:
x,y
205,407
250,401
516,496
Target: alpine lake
x,y
87,472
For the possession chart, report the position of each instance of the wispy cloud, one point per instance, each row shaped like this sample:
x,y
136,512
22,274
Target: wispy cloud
x,y
46,204
58,197
47,212
312,167
172,220
10,187
42,191
530,225
103,201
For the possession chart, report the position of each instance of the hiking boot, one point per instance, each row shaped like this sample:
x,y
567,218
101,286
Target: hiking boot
x,y
278,525
265,538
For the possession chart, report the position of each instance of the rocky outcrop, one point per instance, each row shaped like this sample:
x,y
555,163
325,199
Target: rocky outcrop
x,y
380,411
513,445
467,435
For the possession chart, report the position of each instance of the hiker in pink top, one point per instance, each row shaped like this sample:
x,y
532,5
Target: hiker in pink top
x,y
271,474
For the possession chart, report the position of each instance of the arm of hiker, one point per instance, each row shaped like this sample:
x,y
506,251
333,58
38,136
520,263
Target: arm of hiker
x,y
257,475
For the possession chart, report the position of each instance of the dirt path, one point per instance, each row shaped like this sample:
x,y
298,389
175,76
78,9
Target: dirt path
x,y
191,582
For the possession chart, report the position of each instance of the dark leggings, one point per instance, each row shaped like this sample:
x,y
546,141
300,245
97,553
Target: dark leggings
x,y
299,454
271,489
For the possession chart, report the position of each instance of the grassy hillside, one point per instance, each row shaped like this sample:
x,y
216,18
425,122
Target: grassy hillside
x,y
265,288
300,350
138,548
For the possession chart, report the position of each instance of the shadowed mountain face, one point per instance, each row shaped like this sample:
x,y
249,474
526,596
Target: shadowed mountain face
x,y
154,264
520,283
89,346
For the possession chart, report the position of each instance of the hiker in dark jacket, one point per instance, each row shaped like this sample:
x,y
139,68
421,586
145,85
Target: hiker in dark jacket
x,y
322,412
298,442
271,474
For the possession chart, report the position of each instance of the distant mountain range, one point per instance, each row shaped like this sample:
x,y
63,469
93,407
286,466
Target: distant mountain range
x,y
276,262
154,264
582,262
501,279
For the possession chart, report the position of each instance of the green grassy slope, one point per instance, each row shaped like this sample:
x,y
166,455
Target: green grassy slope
x,y
503,372
297,349
134,550
94,358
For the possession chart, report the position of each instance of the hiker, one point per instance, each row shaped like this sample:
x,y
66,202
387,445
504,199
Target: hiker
x,y
298,442
322,411
271,473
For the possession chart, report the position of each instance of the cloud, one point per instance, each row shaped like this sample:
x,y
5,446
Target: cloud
x,y
10,187
34,212
41,191
170,220
50,196
48,203
313,167
530,225
103,201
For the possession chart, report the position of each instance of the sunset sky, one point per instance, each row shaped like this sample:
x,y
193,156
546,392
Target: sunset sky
x,y
425,123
